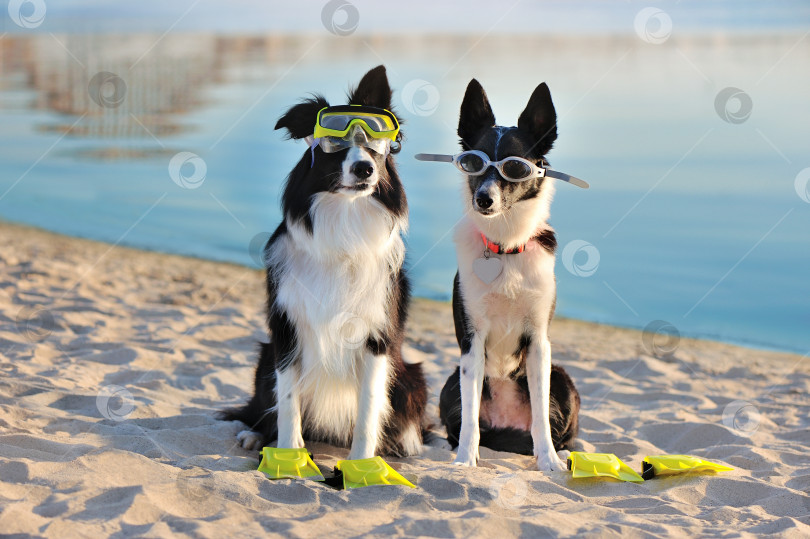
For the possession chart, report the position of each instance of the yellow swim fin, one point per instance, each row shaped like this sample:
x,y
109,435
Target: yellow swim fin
x,y
366,472
674,464
601,465
280,463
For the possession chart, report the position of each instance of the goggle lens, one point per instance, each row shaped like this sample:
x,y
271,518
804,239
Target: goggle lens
x,y
515,170
471,163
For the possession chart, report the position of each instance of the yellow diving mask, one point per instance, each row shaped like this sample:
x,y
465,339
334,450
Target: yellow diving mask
x,y
343,126
337,121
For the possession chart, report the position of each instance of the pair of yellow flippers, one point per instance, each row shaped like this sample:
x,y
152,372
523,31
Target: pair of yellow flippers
x,y
281,463
609,465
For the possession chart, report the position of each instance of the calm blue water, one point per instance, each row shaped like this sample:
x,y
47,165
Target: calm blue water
x,y
696,221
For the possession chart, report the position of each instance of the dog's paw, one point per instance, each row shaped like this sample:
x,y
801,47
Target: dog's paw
x,y
466,458
250,440
297,442
357,454
550,461
440,443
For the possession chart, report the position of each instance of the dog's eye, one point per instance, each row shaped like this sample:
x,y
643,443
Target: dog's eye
x,y
333,144
471,163
515,169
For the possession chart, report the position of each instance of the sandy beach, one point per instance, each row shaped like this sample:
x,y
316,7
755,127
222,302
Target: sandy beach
x,y
114,362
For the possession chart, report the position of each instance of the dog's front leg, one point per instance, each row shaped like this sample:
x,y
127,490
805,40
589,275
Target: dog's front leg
x,y
289,409
472,380
538,372
372,405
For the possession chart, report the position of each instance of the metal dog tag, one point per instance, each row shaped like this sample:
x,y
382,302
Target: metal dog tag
x,y
487,269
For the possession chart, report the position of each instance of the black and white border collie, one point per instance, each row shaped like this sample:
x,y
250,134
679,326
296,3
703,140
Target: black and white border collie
x,y
337,301
506,394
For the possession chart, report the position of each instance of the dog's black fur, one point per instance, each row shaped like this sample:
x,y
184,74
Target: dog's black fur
x,y
407,392
532,139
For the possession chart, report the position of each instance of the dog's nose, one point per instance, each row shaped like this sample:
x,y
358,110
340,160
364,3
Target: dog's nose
x,y
363,169
483,200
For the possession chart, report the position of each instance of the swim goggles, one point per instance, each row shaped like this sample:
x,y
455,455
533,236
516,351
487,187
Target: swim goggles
x,y
512,169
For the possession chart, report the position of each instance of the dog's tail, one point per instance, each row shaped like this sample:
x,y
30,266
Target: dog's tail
x,y
233,414
257,420
259,413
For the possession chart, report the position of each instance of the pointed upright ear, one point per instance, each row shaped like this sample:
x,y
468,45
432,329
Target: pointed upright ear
x,y
300,120
373,90
476,114
539,119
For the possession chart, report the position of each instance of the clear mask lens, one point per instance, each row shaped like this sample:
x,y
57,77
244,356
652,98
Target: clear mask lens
x,y
356,137
333,144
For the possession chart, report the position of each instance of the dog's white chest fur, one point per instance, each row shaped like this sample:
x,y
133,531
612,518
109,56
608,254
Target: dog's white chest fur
x,y
514,304
335,287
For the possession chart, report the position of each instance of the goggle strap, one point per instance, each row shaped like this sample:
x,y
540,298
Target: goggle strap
x,y
443,158
567,178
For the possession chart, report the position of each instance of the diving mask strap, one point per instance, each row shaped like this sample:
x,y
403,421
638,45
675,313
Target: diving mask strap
x,y
312,142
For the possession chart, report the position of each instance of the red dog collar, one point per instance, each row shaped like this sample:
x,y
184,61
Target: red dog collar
x,y
497,249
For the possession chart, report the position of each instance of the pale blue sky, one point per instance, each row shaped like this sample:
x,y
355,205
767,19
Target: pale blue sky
x,y
376,16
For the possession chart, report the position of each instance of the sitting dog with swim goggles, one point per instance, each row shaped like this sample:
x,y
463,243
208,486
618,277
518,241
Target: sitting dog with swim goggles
x,y
343,126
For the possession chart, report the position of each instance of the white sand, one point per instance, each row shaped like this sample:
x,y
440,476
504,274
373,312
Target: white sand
x,y
175,338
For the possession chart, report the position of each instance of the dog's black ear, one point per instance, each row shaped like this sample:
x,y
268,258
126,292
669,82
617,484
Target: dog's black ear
x,y
373,90
300,120
476,114
540,120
